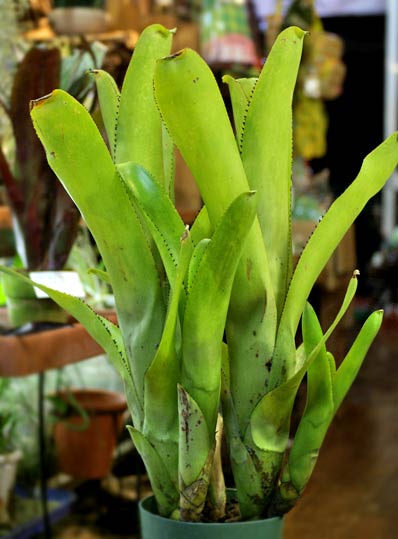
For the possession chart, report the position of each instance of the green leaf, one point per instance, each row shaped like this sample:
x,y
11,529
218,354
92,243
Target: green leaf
x,y
326,390
78,155
319,409
268,431
101,274
139,136
109,97
376,170
162,218
196,259
196,455
195,442
169,163
206,141
349,368
267,148
163,487
241,91
163,375
248,481
104,332
208,299
201,227
202,133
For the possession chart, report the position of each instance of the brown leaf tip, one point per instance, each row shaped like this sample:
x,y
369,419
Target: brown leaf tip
x,y
38,102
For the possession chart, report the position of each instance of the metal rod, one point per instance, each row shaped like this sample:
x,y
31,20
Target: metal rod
x,y
389,194
42,458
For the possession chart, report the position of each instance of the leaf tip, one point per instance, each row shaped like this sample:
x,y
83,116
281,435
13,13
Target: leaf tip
x,y
185,234
160,29
293,31
40,101
227,79
173,56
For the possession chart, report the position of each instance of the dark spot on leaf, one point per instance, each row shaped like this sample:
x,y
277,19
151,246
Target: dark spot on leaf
x,y
248,269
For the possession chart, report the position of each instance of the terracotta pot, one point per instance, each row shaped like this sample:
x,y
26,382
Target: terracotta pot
x,y
88,453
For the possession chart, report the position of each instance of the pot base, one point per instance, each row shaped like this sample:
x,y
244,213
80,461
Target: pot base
x,y
154,526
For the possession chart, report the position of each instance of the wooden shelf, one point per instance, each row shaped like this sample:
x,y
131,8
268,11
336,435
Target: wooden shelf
x,y
44,350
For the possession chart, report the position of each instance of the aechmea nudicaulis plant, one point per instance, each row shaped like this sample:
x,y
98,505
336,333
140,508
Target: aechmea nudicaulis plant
x,y
208,316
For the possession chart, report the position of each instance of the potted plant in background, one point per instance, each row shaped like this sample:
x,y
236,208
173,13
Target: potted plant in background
x,y
179,291
87,423
78,16
45,218
9,456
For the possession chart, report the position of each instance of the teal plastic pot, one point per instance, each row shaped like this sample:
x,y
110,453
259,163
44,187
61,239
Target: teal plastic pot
x,y
154,526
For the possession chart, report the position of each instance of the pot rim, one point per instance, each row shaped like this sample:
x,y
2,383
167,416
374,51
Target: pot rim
x,y
96,400
148,499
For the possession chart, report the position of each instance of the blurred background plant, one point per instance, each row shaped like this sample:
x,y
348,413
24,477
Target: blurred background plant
x,y
85,260
45,218
11,44
8,420
383,268
18,410
12,48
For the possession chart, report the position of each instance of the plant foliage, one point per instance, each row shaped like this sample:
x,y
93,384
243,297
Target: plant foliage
x,y
208,316
45,218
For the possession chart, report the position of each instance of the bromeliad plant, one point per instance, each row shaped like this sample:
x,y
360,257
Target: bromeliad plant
x,y
178,292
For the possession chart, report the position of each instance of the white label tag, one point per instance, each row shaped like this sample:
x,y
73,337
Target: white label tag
x,y
62,281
